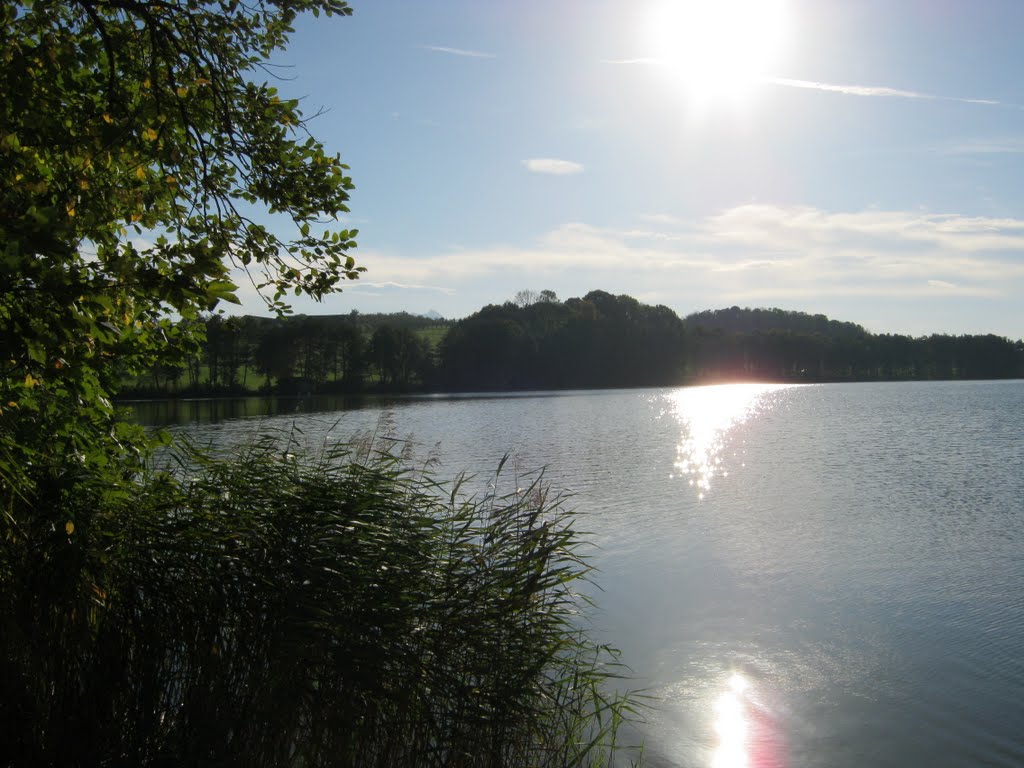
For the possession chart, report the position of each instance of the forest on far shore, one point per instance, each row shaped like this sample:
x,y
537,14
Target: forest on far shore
x,y
539,342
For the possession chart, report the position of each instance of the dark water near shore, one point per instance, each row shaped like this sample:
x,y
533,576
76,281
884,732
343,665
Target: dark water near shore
x,y
828,575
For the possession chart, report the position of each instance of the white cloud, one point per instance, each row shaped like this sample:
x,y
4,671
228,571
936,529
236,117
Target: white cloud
x,y
552,165
873,90
843,88
767,251
626,62
851,90
459,52
781,227
751,264
797,257
983,146
363,284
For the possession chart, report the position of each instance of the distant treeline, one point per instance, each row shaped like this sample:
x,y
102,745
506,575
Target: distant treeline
x,y
773,344
302,354
539,342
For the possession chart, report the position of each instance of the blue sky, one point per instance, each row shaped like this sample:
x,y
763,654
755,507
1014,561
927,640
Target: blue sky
x,y
868,163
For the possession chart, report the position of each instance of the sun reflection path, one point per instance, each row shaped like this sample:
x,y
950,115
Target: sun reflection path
x,y
708,413
731,726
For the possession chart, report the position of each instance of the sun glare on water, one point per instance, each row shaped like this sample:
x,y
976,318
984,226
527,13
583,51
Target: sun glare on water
x,y
731,726
716,51
707,414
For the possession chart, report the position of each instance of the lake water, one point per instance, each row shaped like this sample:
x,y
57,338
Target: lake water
x,y
825,575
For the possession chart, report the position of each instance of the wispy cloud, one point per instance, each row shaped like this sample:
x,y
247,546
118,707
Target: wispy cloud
x,y
459,52
849,90
784,228
852,90
983,146
742,266
626,62
553,166
873,90
391,284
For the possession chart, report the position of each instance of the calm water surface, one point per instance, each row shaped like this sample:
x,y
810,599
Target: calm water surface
x,y
827,575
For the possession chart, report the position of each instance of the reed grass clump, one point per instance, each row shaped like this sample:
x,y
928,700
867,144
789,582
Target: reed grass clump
x,y
272,608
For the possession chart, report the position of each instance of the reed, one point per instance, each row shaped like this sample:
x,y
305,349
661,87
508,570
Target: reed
x,y
272,607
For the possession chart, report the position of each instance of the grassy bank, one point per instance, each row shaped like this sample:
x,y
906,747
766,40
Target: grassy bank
x,y
274,608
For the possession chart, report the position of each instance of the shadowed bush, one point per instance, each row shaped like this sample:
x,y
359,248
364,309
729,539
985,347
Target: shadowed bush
x,y
268,608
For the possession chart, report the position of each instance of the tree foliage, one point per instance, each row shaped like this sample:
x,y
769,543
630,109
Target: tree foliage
x,y
776,345
600,340
749,320
301,354
261,609
145,161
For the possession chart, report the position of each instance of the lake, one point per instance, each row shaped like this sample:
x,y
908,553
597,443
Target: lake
x,y
813,575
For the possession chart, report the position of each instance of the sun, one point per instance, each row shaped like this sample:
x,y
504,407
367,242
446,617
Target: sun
x,y
717,51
